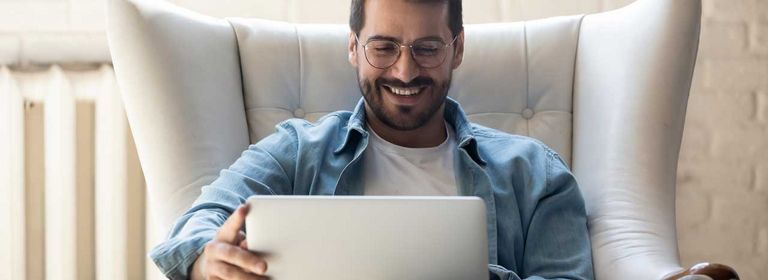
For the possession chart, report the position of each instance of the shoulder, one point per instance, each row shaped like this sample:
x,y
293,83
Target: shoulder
x,y
331,122
300,133
517,154
505,145
534,166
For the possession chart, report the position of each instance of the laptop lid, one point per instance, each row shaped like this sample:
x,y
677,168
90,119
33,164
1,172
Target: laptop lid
x,y
369,237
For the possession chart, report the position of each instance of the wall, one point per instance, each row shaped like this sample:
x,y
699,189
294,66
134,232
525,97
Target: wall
x,y
723,172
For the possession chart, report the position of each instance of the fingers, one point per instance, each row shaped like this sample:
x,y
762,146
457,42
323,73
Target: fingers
x,y
231,228
239,257
244,244
228,253
223,270
241,240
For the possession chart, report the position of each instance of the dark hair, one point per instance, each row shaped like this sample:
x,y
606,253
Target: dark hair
x,y
455,22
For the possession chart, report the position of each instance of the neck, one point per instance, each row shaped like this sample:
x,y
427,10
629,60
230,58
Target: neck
x,y
431,134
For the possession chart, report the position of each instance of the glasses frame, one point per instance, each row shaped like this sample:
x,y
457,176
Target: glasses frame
x,y
400,52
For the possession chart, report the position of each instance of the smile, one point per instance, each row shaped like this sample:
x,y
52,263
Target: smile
x,y
405,91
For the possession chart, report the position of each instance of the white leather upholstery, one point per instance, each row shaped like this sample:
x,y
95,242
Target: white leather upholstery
x,y
633,75
303,68
607,91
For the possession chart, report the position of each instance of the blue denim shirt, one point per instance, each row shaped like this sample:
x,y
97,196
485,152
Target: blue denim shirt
x,y
537,224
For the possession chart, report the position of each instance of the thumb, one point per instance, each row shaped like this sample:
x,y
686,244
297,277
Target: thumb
x,y
231,228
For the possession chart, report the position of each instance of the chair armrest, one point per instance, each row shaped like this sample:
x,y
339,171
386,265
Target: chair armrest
x,y
712,270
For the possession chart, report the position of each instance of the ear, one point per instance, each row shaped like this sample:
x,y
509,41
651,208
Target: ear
x,y
352,49
458,54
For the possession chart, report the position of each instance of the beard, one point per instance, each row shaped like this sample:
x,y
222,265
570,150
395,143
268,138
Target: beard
x,y
404,117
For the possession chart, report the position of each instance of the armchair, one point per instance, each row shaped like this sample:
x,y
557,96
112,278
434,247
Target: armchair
x,y
608,91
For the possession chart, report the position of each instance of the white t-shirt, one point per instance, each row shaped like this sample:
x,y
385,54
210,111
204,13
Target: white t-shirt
x,y
389,169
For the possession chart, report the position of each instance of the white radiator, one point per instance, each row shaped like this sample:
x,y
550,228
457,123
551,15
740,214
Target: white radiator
x,y
72,194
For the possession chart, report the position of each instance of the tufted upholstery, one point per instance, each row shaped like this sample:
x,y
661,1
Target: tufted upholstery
x,y
607,91
302,71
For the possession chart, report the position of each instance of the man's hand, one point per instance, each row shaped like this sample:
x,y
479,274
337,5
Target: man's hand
x,y
227,255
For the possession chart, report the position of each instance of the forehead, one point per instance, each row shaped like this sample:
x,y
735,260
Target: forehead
x,y
406,20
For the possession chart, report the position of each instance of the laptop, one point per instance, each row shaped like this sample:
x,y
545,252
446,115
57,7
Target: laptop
x,y
369,237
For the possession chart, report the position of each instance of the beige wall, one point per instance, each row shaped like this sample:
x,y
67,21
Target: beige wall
x,y
723,172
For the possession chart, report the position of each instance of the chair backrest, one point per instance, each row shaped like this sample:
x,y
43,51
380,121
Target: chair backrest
x,y
607,91
516,77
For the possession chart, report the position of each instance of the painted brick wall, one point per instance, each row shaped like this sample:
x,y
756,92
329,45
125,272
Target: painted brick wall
x,y
723,173
723,170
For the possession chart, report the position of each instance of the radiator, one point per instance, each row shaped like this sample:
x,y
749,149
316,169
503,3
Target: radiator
x,y
72,194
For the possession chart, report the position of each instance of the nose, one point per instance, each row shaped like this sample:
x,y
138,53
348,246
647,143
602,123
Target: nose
x,y
405,68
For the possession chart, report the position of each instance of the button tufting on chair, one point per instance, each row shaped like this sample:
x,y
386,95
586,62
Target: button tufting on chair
x,y
527,113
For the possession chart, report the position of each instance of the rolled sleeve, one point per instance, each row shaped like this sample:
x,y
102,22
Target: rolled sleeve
x,y
176,255
260,170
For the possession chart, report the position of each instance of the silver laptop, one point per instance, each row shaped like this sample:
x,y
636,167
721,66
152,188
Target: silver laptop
x,y
369,237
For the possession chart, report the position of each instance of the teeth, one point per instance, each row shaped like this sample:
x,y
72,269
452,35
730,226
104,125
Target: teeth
x,y
404,91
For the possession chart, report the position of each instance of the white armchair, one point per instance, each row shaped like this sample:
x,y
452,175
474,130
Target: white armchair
x,y
608,91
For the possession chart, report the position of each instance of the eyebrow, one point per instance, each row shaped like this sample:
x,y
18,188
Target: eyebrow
x,y
390,38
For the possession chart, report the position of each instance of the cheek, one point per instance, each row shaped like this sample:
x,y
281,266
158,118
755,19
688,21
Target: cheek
x,y
369,73
440,74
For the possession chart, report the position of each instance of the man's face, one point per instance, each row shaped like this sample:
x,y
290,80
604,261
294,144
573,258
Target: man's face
x,y
405,95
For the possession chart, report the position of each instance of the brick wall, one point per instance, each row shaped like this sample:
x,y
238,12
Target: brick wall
x,y
723,172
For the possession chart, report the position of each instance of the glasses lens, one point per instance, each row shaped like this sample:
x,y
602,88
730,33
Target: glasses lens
x,y
381,54
429,54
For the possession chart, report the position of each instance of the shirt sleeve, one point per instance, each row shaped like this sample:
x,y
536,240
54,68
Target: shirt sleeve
x,y
497,272
557,244
265,168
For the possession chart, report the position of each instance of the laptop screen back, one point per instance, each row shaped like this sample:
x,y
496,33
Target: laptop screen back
x,y
368,237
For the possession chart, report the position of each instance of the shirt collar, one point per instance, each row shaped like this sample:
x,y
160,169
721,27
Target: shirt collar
x,y
454,115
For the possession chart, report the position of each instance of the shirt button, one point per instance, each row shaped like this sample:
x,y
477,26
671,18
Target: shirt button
x,y
527,113
299,113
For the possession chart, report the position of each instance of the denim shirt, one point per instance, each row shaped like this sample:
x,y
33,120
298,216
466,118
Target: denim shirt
x,y
537,224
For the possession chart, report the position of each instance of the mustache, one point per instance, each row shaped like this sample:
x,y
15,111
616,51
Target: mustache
x,y
416,82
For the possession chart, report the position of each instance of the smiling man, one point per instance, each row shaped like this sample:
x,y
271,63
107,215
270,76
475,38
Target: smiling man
x,y
405,137
405,94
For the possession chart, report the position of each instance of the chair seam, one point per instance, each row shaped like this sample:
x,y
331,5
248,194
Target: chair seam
x,y
301,65
243,94
527,76
573,90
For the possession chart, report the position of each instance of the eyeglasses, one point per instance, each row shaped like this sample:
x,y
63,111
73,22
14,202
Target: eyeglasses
x,y
428,53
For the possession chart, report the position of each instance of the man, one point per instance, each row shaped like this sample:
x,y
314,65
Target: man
x,y
405,137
